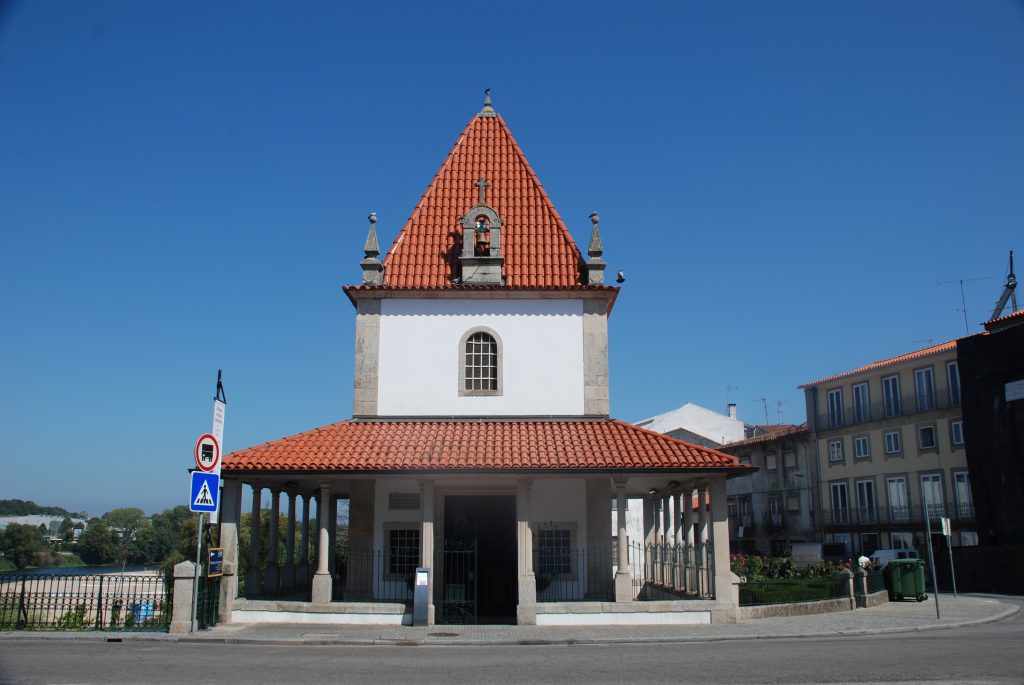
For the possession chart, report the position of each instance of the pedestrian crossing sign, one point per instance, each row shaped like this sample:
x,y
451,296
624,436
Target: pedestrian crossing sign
x,y
205,492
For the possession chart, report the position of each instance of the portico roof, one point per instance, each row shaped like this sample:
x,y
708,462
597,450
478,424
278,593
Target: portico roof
x,y
479,445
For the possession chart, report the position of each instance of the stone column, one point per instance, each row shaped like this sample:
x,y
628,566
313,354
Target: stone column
x,y
230,515
666,536
688,539
527,610
181,609
361,505
703,587
302,571
322,583
650,538
723,579
332,554
272,579
427,540
288,572
623,578
677,550
597,550
253,576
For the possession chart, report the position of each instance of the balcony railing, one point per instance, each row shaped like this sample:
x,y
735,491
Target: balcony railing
x,y
737,521
894,516
907,405
774,520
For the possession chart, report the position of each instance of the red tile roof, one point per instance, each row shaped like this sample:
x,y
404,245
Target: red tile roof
x,y
1003,320
774,433
537,246
477,445
934,349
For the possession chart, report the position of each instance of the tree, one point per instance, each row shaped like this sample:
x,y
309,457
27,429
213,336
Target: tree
x,y
128,522
21,544
98,544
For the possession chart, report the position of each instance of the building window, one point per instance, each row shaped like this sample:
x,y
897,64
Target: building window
x,y
866,501
953,379
892,442
744,457
964,499
968,538
861,447
835,408
789,459
840,503
899,505
554,551
891,396
861,403
835,450
956,429
403,551
924,383
770,461
926,437
792,502
480,363
901,541
775,518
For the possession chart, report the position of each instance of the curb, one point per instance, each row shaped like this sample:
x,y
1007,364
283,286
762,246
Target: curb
x,y
1008,612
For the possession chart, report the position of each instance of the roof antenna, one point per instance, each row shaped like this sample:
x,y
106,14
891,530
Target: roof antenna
x,y
963,300
487,111
1009,292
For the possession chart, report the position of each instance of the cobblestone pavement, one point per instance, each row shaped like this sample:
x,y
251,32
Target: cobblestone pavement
x,y
888,618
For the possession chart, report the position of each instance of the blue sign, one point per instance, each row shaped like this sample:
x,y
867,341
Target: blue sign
x,y
205,492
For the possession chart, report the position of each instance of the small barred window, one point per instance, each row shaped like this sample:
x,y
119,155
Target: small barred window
x,y
481,363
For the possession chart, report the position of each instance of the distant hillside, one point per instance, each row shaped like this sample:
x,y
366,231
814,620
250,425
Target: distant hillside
x,y
20,507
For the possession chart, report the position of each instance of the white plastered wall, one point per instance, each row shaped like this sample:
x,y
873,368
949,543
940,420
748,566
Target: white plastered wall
x,y
542,357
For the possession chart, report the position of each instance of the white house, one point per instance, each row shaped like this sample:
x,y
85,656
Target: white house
x,y
481,446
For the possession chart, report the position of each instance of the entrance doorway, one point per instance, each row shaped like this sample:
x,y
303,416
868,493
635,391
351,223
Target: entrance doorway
x,y
479,569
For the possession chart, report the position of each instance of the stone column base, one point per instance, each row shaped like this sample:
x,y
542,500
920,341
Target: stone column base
x,y
623,587
323,587
526,612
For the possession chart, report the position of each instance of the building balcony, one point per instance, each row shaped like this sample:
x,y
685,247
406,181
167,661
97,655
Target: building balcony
x,y
774,521
738,522
894,517
908,405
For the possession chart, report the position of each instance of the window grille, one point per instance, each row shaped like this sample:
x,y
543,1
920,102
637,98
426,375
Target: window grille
x,y
555,552
403,551
481,362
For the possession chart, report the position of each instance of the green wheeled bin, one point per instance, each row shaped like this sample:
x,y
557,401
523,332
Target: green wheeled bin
x,y
907,579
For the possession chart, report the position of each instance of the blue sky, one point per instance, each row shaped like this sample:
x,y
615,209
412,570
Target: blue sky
x,y
184,186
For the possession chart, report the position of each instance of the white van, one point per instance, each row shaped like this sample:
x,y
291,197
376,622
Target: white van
x,y
884,556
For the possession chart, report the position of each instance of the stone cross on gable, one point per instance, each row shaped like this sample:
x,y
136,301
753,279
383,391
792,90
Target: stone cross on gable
x,y
483,185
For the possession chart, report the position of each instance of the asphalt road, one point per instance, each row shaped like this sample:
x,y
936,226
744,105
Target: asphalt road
x,y
982,654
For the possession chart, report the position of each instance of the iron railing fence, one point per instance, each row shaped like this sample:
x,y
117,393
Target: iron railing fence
x,y
97,602
871,516
208,601
875,581
375,575
584,574
908,405
792,590
774,520
670,571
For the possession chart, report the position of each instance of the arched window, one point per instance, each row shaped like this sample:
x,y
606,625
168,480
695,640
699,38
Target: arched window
x,y
480,363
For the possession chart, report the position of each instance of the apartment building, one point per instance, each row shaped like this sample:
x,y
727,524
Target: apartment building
x,y
888,441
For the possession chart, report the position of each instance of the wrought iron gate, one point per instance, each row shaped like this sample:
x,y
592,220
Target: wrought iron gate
x,y
459,578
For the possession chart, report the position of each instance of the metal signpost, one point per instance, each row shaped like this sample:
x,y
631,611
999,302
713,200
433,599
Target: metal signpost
x,y
947,530
931,557
204,494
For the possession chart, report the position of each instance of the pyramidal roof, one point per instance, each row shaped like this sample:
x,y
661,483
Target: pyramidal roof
x,y
537,246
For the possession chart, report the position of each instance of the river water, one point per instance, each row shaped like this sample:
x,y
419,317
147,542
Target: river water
x,y
81,570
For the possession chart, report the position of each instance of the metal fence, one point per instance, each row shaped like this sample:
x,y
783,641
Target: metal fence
x,y
100,602
380,576
789,590
669,571
208,602
875,581
574,575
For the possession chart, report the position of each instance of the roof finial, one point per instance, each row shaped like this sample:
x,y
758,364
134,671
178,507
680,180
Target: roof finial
x,y
487,111
595,265
373,272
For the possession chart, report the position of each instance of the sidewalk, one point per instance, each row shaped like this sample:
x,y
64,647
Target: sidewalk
x,y
895,617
